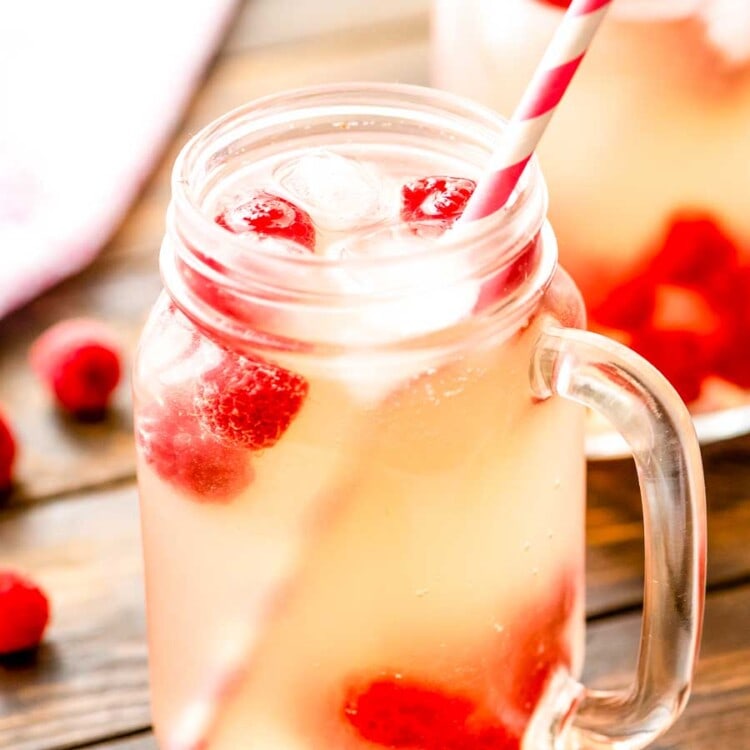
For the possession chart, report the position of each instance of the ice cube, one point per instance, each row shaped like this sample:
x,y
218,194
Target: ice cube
x,y
428,286
422,290
394,242
727,25
420,313
340,193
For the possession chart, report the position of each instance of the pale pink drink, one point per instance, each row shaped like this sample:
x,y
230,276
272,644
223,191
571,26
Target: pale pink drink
x,y
647,165
362,519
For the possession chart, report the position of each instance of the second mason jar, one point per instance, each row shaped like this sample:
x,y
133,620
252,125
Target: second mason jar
x,y
647,165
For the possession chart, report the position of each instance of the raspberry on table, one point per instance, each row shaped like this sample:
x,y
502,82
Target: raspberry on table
x,y
24,613
79,361
435,201
269,215
249,402
7,452
183,452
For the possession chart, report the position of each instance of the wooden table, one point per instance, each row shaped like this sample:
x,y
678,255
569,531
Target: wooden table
x,y
72,521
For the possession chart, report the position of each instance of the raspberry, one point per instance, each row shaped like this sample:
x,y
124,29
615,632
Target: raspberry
x,y
672,326
490,737
734,366
544,649
24,613
679,355
437,201
206,290
696,252
182,452
628,306
502,283
733,359
682,313
679,308
530,651
400,713
558,3
249,402
270,215
397,712
7,453
79,361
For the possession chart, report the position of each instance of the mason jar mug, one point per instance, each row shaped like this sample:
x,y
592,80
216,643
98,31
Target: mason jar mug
x,y
360,448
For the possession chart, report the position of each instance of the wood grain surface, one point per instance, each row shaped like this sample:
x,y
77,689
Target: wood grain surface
x,y
72,522
143,741
718,715
89,679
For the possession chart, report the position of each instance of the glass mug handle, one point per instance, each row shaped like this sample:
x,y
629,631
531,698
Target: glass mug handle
x,y
640,403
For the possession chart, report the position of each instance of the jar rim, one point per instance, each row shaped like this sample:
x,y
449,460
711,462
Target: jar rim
x,y
247,264
279,107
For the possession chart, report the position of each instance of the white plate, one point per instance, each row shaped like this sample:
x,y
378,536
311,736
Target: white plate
x,y
603,443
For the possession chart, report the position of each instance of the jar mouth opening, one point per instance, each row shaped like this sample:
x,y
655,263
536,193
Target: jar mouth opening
x,y
357,108
243,282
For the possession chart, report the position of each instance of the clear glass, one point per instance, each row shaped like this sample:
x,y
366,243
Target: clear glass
x,y
646,162
396,556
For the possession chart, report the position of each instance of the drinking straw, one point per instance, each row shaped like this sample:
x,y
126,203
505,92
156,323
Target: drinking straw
x,y
199,722
537,107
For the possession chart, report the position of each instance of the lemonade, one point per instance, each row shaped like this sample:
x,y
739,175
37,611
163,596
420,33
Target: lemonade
x,y
646,162
360,526
411,544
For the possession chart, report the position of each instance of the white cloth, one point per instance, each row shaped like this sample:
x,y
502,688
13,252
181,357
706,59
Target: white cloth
x,y
89,92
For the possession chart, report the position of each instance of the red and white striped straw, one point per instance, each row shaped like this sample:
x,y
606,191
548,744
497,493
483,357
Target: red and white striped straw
x,y
537,107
